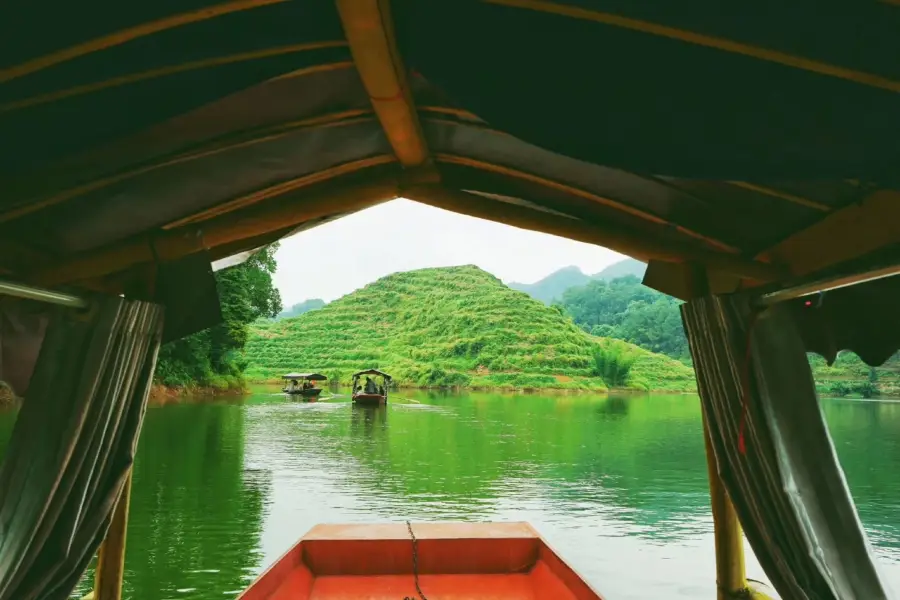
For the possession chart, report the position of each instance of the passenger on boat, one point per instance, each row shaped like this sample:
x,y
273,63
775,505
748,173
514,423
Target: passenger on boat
x,y
307,385
371,388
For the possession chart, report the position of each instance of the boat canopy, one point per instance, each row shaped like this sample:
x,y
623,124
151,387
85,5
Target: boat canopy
x,y
372,372
307,376
745,143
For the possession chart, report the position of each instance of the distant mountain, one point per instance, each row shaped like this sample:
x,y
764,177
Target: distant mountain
x,y
623,268
300,308
552,286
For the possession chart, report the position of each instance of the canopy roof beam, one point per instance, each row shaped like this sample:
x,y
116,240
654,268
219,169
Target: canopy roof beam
x,y
229,228
231,142
842,235
370,32
709,41
206,63
613,237
123,36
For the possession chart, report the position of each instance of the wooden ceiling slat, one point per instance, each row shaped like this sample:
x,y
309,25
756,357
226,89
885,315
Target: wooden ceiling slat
x,y
510,172
126,35
265,135
181,68
842,235
700,39
615,238
783,195
226,229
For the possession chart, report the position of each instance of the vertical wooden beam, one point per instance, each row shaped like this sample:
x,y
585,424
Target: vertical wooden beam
x,y
731,578
111,559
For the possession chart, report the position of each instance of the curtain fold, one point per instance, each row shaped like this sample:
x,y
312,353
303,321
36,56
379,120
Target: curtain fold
x,y
774,453
73,444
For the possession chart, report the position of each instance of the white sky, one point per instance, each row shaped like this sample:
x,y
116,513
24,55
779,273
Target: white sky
x,y
334,259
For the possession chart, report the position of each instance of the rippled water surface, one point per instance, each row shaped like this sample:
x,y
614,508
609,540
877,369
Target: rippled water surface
x,y
617,485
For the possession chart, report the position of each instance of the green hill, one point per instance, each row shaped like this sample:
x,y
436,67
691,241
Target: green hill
x,y
454,326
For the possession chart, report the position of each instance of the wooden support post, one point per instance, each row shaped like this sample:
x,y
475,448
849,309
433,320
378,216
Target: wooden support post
x,y
731,578
111,558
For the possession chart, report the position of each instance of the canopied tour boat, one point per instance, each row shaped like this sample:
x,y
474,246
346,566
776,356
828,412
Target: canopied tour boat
x,y
374,390
302,384
749,155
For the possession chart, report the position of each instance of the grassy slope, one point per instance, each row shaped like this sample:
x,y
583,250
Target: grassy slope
x,y
850,376
447,326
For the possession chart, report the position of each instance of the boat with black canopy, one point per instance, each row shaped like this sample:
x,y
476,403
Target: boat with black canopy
x,y
373,390
303,384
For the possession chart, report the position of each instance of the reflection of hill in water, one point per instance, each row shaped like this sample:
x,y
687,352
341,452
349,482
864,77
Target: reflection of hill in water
x,y
622,466
196,516
638,459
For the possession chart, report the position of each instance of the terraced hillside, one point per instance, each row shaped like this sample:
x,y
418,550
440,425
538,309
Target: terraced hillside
x,y
457,326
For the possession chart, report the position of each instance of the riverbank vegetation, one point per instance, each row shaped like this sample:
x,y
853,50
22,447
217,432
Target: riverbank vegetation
x,y
455,327
212,360
625,309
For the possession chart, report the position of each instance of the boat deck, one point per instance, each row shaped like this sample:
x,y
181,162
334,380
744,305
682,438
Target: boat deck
x,y
501,561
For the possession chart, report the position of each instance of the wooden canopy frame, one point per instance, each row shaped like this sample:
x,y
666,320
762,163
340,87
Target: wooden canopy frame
x,y
408,166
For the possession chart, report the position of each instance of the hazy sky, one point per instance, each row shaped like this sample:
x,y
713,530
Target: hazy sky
x,y
339,257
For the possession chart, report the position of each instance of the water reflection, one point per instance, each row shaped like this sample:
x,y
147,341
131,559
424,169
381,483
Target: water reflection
x,y
368,421
617,484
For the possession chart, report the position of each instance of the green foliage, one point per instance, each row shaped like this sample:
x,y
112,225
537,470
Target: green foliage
x,y
627,310
850,376
447,327
213,358
613,362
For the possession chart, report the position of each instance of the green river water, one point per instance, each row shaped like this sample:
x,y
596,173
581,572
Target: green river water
x,y
617,484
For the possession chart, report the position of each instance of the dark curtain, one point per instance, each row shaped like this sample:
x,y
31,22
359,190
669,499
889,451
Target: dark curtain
x,y
22,327
73,444
774,453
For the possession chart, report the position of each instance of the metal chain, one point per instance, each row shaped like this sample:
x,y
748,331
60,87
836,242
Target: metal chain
x,y
415,553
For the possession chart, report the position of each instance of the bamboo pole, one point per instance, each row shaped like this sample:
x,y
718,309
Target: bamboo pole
x,y
731,577
111,558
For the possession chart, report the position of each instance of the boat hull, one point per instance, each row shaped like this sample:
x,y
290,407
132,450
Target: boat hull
x,y
455,561
310,393
369,399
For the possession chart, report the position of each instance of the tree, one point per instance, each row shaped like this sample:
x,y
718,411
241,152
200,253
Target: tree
x,y
213,357
627,310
